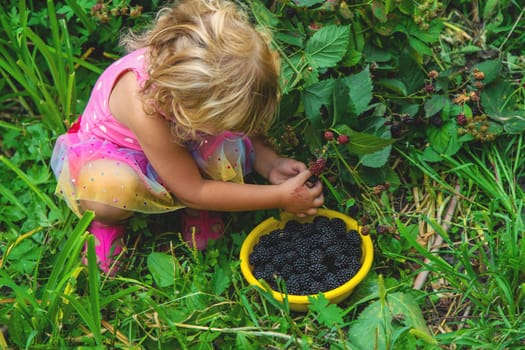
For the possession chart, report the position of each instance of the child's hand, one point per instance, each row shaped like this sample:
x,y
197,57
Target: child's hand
x,y
300,199
284,169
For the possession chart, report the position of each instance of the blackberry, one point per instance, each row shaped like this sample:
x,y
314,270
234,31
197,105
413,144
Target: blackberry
x,y
317,271
291,255
266,240
354,251
316,256
258,272
285,235
308,229
315,287
342,262
255,258
286,271
354,238
344,275
292,226
316,167
284,247
269,272
338,226
300,265
294,285
330,281
333,251
320,222
327,236
262,255
279,261
302,248
354,265
306,281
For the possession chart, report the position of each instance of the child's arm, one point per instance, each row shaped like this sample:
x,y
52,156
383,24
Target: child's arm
x,y
272,166
180,174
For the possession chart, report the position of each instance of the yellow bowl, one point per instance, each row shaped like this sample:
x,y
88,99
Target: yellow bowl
x,y
300,302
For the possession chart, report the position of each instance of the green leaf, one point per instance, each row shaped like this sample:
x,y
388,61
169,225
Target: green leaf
x,y
263,15
405,308
379,11
308,3
500,105
361,87
362,143
489,8
220,280
328,315
341,105
394,85
444,140
374,322
327,46
434,105
162,268
315,96
384,322
491,69
410,73
419,46
377,159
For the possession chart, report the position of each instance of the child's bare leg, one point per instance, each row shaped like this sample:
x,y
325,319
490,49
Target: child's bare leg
x,y
106,214
107,226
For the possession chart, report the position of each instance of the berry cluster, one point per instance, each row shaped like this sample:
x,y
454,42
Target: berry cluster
x,y
309,257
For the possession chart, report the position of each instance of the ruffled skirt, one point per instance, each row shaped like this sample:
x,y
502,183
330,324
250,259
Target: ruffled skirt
x,y
101,171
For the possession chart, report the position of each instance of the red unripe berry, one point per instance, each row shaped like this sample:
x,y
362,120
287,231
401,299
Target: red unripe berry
x,y
429,88
328,135
342,139
461,119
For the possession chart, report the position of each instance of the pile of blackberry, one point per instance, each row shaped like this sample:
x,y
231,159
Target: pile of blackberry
x,y
309,257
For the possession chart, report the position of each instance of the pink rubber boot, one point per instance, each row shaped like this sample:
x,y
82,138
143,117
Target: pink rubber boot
x,y
199,226
108,245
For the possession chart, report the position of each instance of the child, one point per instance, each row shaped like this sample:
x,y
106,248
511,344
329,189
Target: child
x,y
177,123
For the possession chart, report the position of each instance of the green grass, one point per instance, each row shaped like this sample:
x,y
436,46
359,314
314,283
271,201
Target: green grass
x,y
449,269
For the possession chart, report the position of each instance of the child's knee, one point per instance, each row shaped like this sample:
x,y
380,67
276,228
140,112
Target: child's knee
x,y
108,180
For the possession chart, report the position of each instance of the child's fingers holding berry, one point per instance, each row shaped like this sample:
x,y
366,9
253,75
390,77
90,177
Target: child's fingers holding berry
x,y
299,198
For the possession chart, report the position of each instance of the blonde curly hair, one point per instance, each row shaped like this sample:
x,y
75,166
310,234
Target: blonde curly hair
x,y
210,70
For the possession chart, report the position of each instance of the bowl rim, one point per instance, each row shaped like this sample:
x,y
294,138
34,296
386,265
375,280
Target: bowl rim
x,y
333,294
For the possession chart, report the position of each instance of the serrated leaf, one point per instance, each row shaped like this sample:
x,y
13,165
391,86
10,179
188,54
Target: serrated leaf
x,y
327,46
263,15
499,102
162,268
328,314
360,86
394,85
316,95
383,322
377,159
491,69
372,322
362,143
405,305
434,105
220,280
419,46
444,140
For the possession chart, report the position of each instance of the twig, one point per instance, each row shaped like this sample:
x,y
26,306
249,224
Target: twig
x,y
421,278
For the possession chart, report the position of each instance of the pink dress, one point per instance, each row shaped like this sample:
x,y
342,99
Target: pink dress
x,y
100,160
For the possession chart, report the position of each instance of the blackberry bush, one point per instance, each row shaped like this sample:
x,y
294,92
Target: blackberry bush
x,y
309,257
